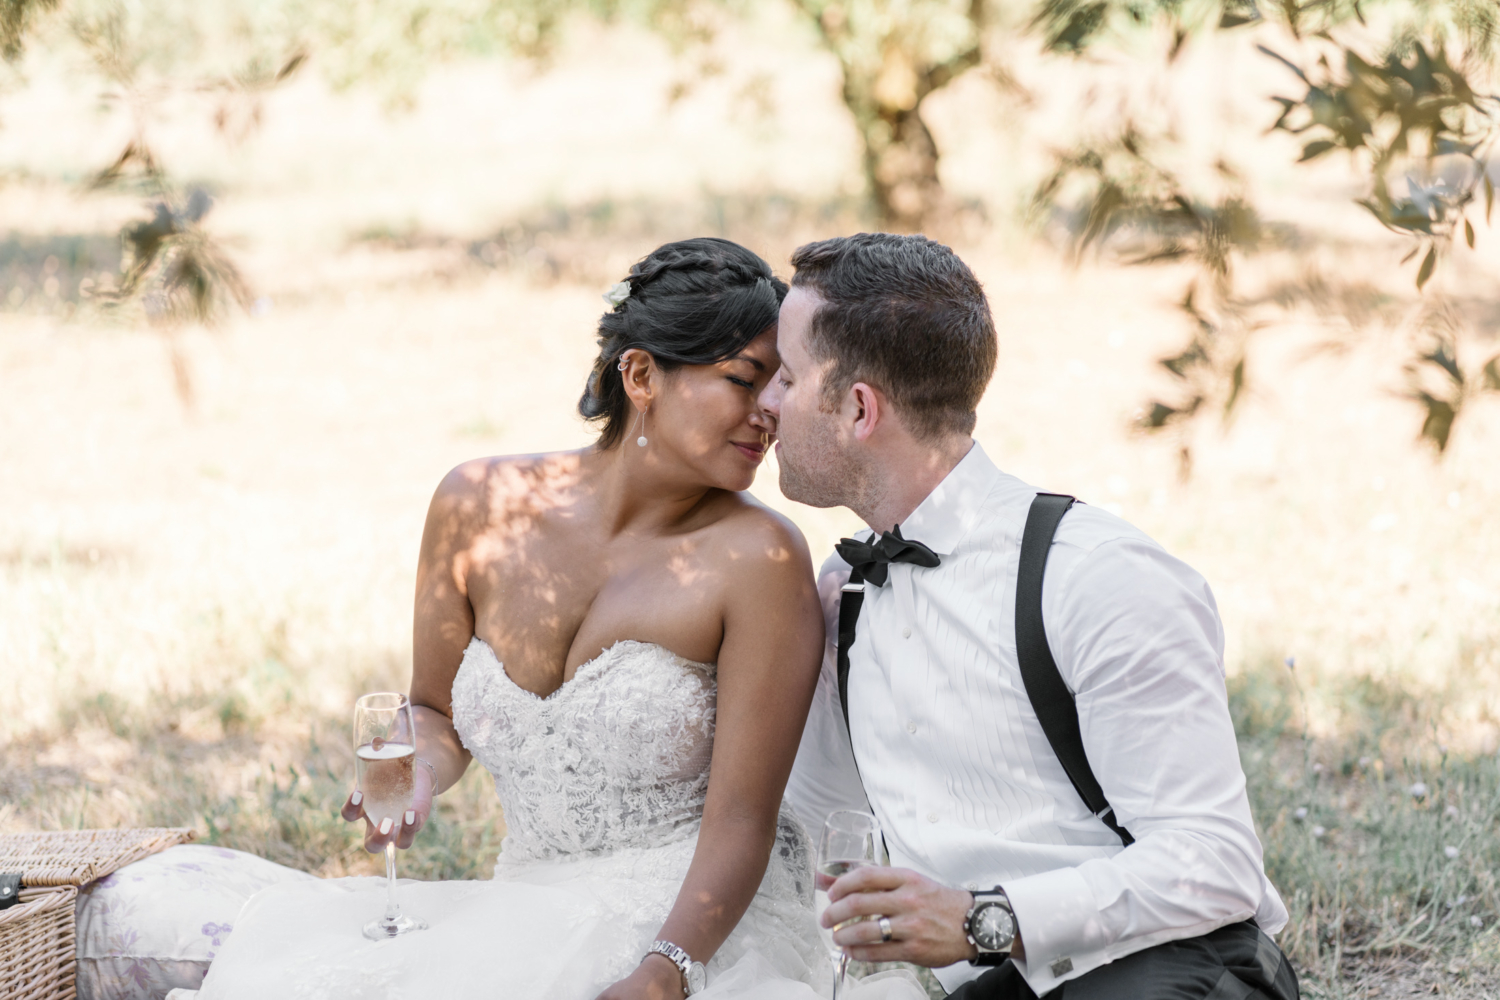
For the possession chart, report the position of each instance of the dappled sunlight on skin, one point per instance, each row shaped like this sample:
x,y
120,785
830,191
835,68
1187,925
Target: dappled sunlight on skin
x,y
703,422
552,559
559,557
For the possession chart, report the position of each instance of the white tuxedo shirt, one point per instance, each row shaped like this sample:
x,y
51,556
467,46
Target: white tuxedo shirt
x,y
954,764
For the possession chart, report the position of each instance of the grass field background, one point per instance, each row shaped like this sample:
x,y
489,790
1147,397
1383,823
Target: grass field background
x,y
192,593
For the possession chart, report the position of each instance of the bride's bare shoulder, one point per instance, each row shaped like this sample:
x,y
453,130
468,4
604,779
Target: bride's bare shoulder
x,y
752,533
484,490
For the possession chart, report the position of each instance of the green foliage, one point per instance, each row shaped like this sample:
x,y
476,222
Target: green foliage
x,y
1437,380
146,53
1413,121
182,273
392,43
1414,108
1146,214
222,47
1130,193
16,19
1071,26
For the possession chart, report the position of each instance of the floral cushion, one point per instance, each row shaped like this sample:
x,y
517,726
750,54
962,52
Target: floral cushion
x,y
156,924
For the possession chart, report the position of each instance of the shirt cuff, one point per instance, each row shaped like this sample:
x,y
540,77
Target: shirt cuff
x,y
1059,925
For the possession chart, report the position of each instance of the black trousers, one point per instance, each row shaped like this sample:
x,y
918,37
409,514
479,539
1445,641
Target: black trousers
x,y
1238,962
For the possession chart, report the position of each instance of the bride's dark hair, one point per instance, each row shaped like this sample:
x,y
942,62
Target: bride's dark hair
x,y
693,302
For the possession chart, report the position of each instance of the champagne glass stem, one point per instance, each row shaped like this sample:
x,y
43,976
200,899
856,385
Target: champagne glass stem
x,y
392,910
840,967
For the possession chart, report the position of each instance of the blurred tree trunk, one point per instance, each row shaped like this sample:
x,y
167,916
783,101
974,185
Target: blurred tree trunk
x,y
890,65
900,156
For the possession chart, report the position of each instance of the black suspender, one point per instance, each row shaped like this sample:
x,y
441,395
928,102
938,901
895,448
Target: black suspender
x,y
1049,695
852,599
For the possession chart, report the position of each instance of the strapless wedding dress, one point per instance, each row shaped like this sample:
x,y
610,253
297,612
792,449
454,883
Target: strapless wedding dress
x,y
602,783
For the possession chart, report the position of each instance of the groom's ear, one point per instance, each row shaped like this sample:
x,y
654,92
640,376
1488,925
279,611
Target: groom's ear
x,y
867,408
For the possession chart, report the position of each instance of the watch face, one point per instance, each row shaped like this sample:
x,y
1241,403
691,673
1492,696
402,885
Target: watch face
x,y
993,928
697,978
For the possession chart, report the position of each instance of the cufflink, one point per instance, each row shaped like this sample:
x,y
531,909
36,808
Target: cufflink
x,y
1061,967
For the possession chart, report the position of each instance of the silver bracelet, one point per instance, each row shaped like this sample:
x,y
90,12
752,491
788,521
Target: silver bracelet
x,y
433,769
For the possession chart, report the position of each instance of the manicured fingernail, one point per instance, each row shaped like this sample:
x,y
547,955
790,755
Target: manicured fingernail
x,y
356,798
385,826
411,816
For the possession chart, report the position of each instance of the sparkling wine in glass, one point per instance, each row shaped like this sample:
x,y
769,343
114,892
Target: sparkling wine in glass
x,y
851,839
385,750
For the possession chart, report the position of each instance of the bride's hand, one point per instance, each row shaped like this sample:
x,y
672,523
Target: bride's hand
x,y
656,978
406,831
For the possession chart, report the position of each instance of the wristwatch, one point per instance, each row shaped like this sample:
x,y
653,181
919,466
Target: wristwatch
x,y
694,975
990,926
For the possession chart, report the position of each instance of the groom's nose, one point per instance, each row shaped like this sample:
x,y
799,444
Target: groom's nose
x,y
770,398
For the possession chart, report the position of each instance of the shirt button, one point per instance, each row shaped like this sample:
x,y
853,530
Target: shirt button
x,y
971,886
932,817
911,727
906,633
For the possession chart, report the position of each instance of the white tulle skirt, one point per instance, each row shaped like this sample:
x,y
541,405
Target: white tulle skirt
x,y
559,930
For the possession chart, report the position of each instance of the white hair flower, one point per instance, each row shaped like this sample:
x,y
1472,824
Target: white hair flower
x,y
618,292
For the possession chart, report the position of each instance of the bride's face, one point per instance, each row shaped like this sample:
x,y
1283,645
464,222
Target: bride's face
x,y
706,422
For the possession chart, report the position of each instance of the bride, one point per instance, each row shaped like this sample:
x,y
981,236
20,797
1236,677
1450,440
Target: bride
x,y
628,643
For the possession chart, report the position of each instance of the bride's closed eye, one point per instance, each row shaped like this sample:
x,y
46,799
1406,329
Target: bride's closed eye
x,y
743,383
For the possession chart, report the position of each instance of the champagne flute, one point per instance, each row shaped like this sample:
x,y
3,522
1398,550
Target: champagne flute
x,y
385,750
851,839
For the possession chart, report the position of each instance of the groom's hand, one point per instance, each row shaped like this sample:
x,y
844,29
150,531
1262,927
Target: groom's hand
x,y
403,833
927,919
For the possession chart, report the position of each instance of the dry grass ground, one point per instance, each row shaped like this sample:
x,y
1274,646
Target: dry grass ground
x,y
191,595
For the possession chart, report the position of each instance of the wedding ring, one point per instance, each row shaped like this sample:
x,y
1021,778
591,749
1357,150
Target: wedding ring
x,y
885,930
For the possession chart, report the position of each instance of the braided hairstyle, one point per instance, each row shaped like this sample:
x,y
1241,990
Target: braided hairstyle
x,y
693,302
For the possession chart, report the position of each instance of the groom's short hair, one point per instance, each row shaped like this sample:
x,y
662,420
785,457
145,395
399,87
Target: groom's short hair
x,y
904,314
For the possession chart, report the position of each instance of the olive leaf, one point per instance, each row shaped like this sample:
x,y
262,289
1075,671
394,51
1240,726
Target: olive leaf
x,y
1424,273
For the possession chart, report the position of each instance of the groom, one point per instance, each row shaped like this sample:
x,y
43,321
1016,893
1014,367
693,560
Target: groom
x,y
975,695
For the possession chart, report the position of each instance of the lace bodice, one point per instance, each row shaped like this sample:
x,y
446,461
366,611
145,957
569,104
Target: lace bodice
x,y
616,758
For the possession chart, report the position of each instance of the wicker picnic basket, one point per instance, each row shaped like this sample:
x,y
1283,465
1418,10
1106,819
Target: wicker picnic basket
x,y
38,954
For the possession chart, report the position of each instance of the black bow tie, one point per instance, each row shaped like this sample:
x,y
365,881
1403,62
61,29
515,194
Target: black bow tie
x,y
872,560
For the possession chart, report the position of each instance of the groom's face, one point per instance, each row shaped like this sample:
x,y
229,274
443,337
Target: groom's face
x,y
815,468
